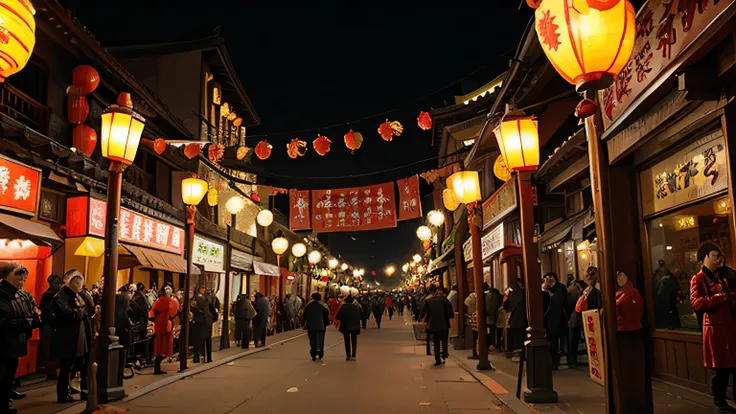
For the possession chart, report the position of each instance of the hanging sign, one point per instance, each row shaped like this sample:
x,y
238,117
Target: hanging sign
x,y
209,254
664,29
410,206
500,204
354,209
20,187
299,217
594,343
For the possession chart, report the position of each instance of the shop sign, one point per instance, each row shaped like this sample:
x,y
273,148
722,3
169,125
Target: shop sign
x,y
664,29
468,249
500,204
209,254
20,186
241,260
594,343
695,172
354,209
490,244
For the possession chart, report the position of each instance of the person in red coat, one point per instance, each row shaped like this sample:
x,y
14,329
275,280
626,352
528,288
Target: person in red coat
x,y
163,311
711,294
629,305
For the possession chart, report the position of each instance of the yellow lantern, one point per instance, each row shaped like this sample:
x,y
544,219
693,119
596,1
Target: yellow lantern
x,y
390,270
315,257
449,199
298,250
235,205
212,197
264,218
193,190
424,233
465,185
17,35
120,133
279,245
587,41
518,140
436,218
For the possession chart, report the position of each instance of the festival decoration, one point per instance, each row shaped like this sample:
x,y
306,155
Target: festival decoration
x,y
410,206
450,200
238,122
426,244
159,145
235,205
466,186
77,106
215,152
299,217
314,257
296,148
321,145
279,245
518,140
388,130
586,108
255,197
192,150
354,209
424,233
17,37
84,139
436,218
298,250
353,140
424,121
500,170
264,218
85,78
212,197
263,150
241,152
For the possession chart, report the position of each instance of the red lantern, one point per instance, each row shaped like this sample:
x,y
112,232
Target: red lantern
x,y
255,197
424,121
77,107
387,130
296,148
241,153
586,108
192,150
85,78
263,150
84,139
353,140
215,152
159,145
124,99
322,144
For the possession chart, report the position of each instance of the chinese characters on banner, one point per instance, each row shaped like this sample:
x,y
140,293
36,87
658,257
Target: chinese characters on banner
x,y
664,28
19,186
354,209
594,342
299,215
410,205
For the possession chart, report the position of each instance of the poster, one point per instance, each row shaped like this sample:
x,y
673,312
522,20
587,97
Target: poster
x,y
594,343
410,205
20,187
354,209
299,214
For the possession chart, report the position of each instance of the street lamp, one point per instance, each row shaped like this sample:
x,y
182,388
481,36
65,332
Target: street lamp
x,y
519,143
436,218
390,270
405,267
424,233
264,218
344,267
417,258
315,257
120,135
192,193
333,263
298,249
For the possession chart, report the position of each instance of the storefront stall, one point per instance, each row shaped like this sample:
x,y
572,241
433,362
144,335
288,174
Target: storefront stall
x,y
242,246
209,256
268,278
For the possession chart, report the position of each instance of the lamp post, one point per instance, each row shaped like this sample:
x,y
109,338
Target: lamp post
x,y
192,192
120,136
519,143
233,208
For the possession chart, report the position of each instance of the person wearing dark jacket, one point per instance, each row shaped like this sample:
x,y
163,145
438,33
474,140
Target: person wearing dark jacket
x,y
515,304
315,320
243,313
47,364
574,323
668,295
555,318
494,300
365,304
122,322
378,305
350,315
18,318
436,313
201,327
260,322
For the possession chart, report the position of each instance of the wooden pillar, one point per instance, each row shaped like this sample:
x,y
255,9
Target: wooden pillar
x,y
480,298
462,290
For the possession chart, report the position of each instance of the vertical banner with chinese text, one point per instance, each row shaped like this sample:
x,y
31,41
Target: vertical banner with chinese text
x,y
299,211
410,205
354,209
594,343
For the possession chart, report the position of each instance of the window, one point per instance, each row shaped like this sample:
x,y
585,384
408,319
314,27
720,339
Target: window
x,y
24,97
673,244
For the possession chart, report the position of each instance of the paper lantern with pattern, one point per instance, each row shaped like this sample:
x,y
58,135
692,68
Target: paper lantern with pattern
x,y
353,140
322,145
17,35
388,130
192,150
77,107
263,150
424,121
296,148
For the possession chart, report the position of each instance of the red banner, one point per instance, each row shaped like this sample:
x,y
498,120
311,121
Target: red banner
x,y
20,186
354,209
299,217
410,204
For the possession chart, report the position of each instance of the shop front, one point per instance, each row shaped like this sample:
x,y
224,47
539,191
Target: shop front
x,y
209,256
268,278
501,241
242,246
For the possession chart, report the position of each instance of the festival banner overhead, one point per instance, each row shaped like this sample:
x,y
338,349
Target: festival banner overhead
x,y
354,209
410,205
299,216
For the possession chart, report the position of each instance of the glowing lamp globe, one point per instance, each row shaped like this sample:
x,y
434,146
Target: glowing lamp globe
x,y
344,267
436,218
424,233
390,270
333,263
450,200
120,133
264,218
465,185
193,190
235,204
18,35
518,140
356,273
212,197
315,257
405,267
417,258
298,250
588,42
279,245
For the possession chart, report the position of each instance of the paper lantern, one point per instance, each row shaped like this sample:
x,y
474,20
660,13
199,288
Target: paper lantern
x,y
241,153
215,152
449,199
159,145
192,150
264,218
238,122
17,36
436,218
322,145
85,78
344,267
263,150
255,197
353,140
405,267
77,108
333,263
424,233
212,197
315,257
417,258
587,41
84,139
466,186
120,134
279,245
296,148
518,140
235,205
193,190
424,121
388,130
298,250
354,291
500,170
426,244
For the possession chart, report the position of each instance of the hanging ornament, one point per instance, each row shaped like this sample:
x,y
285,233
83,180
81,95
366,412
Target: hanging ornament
x,y
17,36
238,122
215,152
263,150
388,130
241,153
353,140
84,139
124,99
296,148
85,78
212,197
500,170
77,106
255,197
192,150
321,145
424,121
450,200
159,145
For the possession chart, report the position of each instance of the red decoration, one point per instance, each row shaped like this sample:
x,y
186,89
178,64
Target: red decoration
x,y
255,197
586,108
353,140
241,153
85,78
296,148
534,4
77,107
215,152
159,145
263,150
192,150
548,31
84,139
124,99
373,272
388,130
322,145
299,217
424,121
19,186
410,205
426,244
354,209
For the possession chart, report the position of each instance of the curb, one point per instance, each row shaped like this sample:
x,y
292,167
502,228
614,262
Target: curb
x,y
506,398
200,369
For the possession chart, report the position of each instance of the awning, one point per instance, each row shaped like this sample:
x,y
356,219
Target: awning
x,y
265,269
154,259
241,261
572,228
440,262
287,274
90,247
12,227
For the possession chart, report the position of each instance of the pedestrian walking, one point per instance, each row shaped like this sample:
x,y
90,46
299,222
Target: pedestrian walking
x,y
201,327
378,305
555,316
390,307
244,312
260,322
315,321
515,304
365,304
350,316
436,313
494,299
574,323
163,311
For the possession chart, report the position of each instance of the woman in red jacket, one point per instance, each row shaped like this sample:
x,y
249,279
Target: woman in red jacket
x,y
711,294
163,312
629,305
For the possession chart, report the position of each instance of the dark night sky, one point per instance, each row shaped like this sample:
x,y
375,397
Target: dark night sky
x,y
319,63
